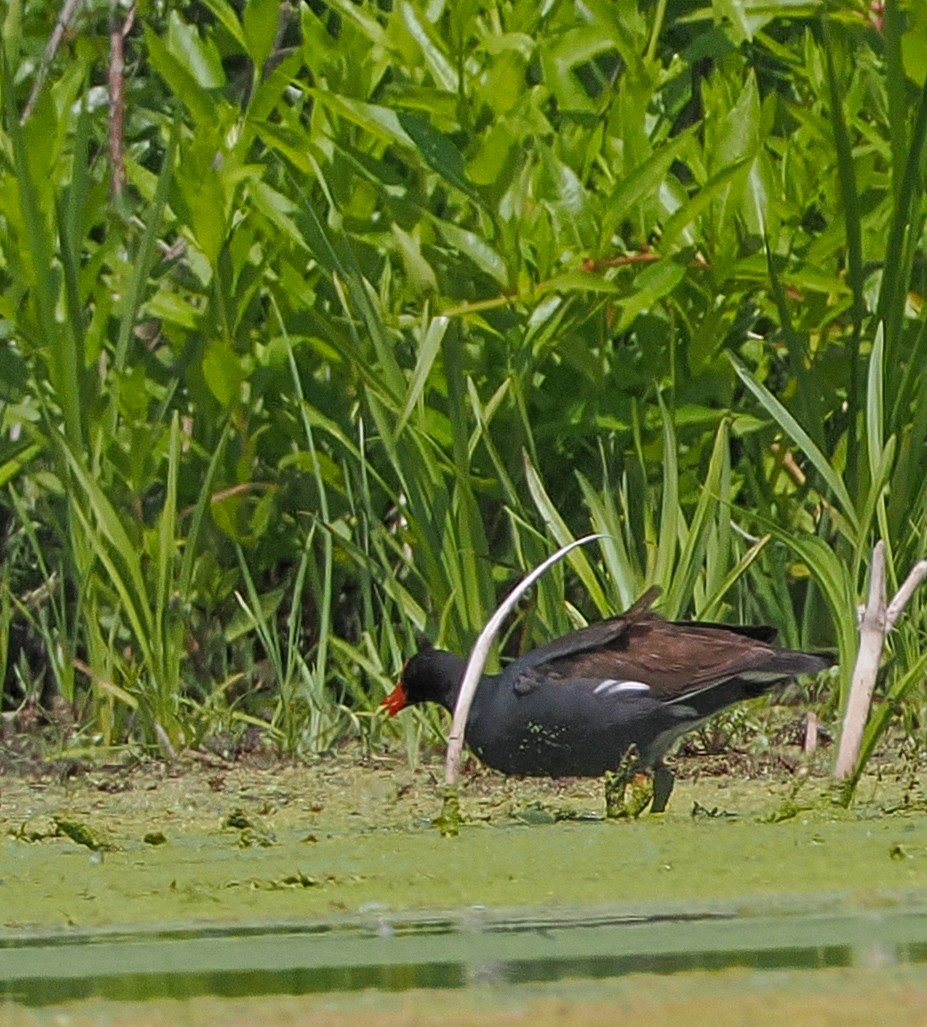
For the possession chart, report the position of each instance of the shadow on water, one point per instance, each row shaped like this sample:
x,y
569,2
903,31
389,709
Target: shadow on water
x,y
457,951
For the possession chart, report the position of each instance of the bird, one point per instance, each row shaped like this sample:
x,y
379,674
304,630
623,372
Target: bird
x,y
607,700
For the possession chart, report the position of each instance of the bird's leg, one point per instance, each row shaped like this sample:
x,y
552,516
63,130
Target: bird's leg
x,y
663,781
629,789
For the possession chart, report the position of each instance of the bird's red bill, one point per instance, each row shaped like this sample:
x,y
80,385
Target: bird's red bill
x,y
396,700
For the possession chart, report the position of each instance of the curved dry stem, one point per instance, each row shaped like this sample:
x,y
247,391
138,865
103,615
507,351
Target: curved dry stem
x,y
480,653
876,622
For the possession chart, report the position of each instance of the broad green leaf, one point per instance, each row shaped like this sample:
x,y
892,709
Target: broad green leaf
x,y
649,287
223,372
438,152
441,68
560,59
476,248
181,81
260,20
198,57
14,457
379,121
875,415
578,281
643,180
225,14
569,203
689,212
278,209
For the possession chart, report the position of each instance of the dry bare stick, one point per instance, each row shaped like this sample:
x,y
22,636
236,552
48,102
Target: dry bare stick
x,y
54,41
904,593
450,817
871,639
811,734
169,751
877,621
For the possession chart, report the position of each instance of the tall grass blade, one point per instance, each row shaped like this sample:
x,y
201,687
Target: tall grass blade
x,y
797,433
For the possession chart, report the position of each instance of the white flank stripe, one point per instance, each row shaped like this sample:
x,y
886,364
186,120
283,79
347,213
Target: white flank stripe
x,y
611,686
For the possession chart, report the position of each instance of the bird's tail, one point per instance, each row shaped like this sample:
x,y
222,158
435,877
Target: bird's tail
x,y
781,666
787,663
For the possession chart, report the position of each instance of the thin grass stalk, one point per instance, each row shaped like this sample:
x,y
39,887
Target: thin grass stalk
x,y
694,538
670,511
896,88
712,604
167,650
847,521
71,233
624,574
471,543
846,175
875,439
142,264
6,620
905,229
318,676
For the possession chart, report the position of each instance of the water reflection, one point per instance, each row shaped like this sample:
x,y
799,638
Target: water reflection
x,y
442,952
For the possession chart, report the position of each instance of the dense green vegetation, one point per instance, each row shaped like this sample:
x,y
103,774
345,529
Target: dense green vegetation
x,y
366,306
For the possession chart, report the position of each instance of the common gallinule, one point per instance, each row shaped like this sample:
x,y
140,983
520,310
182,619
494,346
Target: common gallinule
x,y
581,705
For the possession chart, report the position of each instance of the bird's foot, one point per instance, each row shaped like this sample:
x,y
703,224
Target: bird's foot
x,y
629,790
448,822
663,781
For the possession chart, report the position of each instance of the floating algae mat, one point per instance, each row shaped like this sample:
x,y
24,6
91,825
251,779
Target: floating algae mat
x,y
301,881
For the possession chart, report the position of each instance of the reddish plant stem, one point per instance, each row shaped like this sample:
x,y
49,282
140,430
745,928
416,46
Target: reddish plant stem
x,y
117,96
68,10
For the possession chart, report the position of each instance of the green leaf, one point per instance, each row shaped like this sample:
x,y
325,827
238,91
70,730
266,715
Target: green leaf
x,y
260,20
686,215
568,202
559,59
181,82
476,248
430,347
832,575
199,58
14,374
379,121
875,415
421,31
846,171
578,281
650,286
226,16
223,372
438,152
14,457
643,180
695,538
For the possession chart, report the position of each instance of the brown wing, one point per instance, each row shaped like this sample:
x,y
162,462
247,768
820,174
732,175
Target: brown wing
x,y
604,636
673,659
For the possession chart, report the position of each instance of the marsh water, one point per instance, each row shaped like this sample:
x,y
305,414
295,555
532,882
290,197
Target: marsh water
x,y
327,880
